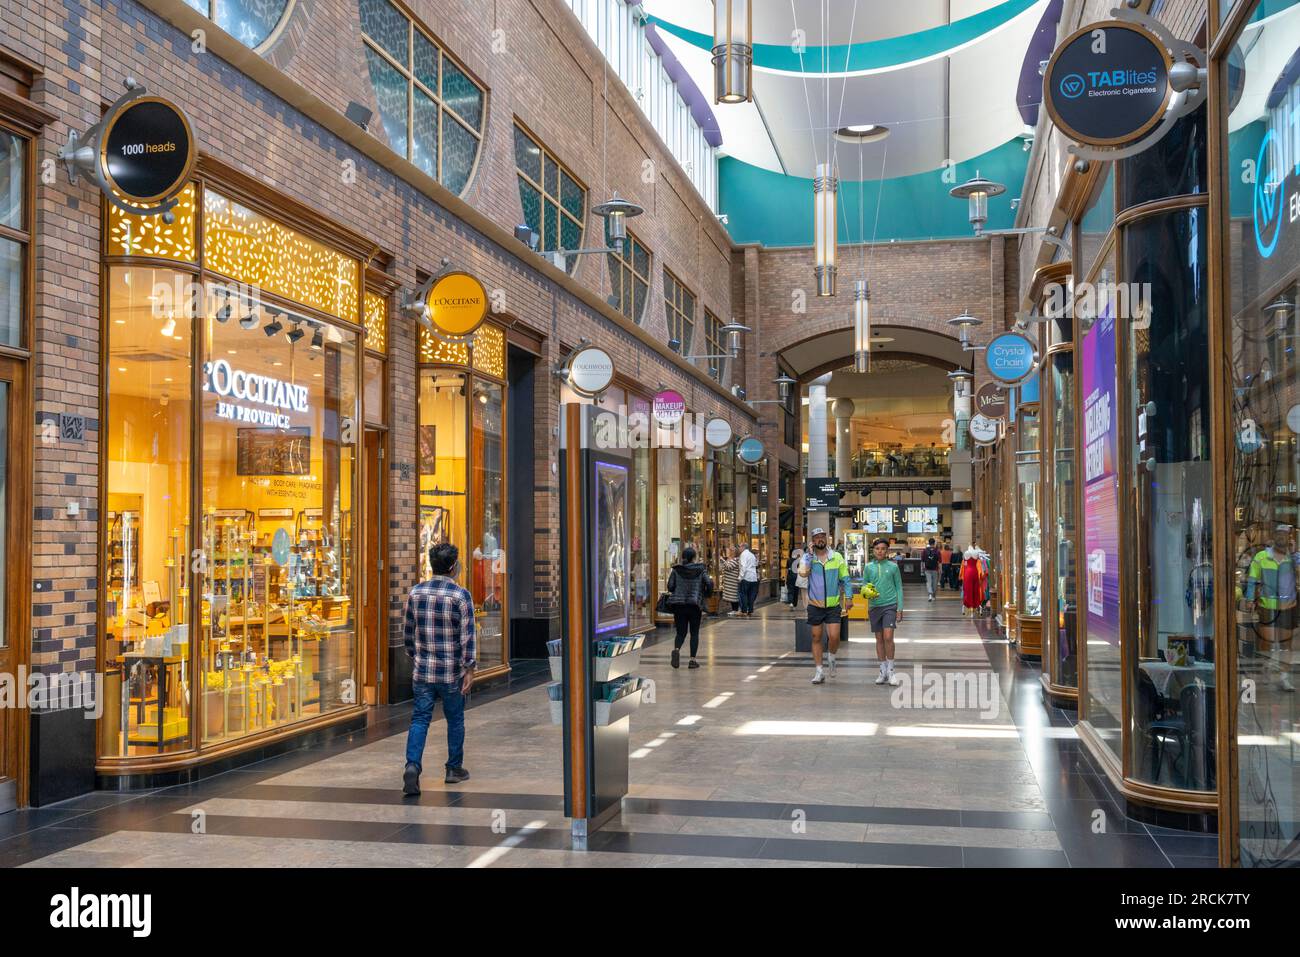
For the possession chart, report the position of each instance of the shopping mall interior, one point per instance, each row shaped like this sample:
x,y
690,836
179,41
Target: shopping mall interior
x,y
737,433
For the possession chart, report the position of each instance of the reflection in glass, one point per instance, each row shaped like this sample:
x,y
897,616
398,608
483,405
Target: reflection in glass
x,y
487,499
640,544
1172,655
668,512
441,440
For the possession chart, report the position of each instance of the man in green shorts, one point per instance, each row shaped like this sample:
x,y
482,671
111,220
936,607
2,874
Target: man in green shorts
x,y
828,576
885,608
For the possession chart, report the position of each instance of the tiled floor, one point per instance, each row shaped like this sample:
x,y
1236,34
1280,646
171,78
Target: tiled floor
x,y
743,761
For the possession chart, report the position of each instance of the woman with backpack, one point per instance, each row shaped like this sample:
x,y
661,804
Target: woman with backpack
x,y
688,585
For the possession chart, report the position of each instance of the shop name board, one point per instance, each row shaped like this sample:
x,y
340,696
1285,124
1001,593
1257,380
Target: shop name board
x,y
590,372
457,304
1011,358
668,407
991,401
1108,84
750,450
231,383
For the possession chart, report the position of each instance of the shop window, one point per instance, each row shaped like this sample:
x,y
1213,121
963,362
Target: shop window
x,y
130,235
376,321
1173,167
1096,222
487,520
442,440
489,351
679,306
1261,270
554,201
15,236
1065,666
146,526
431,109
642,553
668,512
1170,472
374,390
629,275
251,22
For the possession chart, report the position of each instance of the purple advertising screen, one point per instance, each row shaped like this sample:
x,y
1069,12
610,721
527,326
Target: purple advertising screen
x,y
1100,481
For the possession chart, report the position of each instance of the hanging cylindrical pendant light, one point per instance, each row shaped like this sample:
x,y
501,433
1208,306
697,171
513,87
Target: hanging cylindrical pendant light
x,y
861,326
825,188
733,51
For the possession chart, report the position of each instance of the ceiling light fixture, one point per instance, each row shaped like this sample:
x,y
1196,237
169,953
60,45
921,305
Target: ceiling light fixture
x,y
825,189
862,133
251,320
295,333
976,192
317,339
733,51
274,327
169,327
861,326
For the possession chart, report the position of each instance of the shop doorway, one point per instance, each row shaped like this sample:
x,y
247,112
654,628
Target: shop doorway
x,y
376,578
15,506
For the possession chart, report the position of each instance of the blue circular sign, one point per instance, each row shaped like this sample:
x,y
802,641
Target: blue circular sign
x,y
280,547
750,450
1011,358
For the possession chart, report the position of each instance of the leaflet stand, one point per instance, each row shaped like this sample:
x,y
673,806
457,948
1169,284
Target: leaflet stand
x,y
595,572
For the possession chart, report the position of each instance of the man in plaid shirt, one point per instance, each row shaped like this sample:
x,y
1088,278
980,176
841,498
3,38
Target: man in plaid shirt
x,y
439,636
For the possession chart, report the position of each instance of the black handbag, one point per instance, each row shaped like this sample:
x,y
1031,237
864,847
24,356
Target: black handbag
x,y
662,607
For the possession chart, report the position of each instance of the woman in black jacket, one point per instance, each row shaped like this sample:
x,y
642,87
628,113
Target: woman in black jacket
x,y
688,585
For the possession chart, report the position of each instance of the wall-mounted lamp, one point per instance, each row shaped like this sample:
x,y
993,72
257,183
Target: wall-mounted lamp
x,y
976,192
732,331
615,212
963,324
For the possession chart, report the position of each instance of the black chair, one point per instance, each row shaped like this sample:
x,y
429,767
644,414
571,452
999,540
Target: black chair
x,y
1159,726
1196,703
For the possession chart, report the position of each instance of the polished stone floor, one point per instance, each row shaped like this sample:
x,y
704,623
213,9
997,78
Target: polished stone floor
x,y
742,762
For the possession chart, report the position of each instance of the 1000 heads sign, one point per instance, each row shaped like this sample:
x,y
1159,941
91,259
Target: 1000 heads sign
x,y
230,383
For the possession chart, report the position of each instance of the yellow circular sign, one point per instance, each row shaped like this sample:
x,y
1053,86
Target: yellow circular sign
x,y
458,304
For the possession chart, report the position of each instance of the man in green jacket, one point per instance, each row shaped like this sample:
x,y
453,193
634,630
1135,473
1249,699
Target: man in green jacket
x,y
828,577
883,588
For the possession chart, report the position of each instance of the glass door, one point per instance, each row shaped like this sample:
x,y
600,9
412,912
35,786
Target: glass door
x,y
11,572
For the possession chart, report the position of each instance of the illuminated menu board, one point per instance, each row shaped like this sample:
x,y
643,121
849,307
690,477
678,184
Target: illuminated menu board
x,y
890,519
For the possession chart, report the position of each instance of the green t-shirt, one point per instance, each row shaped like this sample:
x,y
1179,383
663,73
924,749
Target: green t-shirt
x,y
888,581
826,579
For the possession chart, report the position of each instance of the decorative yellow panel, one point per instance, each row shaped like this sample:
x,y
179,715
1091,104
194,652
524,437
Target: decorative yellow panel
x,y
249,247
490,350
376,322
434,350
131,235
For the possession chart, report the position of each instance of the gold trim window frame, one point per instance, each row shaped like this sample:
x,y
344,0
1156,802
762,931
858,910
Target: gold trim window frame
x,y
679,311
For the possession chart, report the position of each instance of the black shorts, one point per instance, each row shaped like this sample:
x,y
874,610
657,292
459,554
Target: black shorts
x,y
824,616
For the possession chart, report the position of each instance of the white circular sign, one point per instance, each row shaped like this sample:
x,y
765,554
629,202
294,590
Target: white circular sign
x,y
983,429
717,432
1293,419
591,370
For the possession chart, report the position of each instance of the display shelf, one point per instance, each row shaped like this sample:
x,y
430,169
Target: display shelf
x,y
603,669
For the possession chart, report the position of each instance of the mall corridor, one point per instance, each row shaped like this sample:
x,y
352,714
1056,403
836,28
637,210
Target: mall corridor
x,y
742,762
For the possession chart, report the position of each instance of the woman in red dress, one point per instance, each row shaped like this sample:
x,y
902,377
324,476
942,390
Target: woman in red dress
x,y
972,583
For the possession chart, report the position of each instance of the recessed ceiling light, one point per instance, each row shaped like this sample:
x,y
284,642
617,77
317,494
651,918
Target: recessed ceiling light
x,y
121,368
167,378
862,133
231,352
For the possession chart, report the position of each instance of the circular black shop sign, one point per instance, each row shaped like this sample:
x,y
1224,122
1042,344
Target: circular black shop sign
x,y
147,151
1110,98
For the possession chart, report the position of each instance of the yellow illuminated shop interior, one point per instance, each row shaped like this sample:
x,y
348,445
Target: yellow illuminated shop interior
x,y
460,448
258,582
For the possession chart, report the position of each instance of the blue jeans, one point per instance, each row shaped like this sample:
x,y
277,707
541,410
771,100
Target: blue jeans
x,y
748,592
453,707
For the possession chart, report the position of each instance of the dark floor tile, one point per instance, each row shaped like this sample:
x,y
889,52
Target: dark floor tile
x,y
1188,845
1078,817
686,845
1073,787
1017,820
37,844
1112,850
31,819
1194,862
1012,857
847,852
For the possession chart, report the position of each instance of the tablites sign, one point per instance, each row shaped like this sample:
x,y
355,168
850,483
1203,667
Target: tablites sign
x,y
1108,84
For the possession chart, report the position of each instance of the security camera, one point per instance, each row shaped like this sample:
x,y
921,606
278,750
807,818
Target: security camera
x,y
675,345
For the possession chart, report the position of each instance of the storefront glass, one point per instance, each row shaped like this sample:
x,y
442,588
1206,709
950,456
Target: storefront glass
x,y
1030,532
642,548
1171,659
442,447
487,527
1262,277
1065,666
668,512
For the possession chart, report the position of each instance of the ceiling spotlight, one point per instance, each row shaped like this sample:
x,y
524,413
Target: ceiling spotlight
x,y
977,192
169,327
317,339
251,320
274,327
295,333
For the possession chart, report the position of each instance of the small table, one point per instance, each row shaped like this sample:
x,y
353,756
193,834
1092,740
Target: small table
x,y
1170,679
162,667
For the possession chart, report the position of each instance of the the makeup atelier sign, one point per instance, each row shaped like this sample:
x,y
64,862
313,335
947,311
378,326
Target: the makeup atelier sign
x,y
1108,84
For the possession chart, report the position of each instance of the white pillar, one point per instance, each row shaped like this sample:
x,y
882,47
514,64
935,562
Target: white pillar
x,y
842,409
818,461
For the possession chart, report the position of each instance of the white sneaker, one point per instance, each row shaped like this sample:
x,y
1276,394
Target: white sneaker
x,y
819,677
832,663
881,678
1285,683
894,681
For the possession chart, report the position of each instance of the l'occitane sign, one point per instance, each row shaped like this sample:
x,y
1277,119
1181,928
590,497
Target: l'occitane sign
x,y
457,305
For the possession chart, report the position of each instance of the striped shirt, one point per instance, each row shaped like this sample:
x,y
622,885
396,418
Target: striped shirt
x,y
439,631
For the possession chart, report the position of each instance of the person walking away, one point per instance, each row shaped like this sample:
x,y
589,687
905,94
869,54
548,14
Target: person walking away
x,y
954,568
688,585
945,559
730,581
438,633
748,581
931,562
828,576
885,606
792,577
